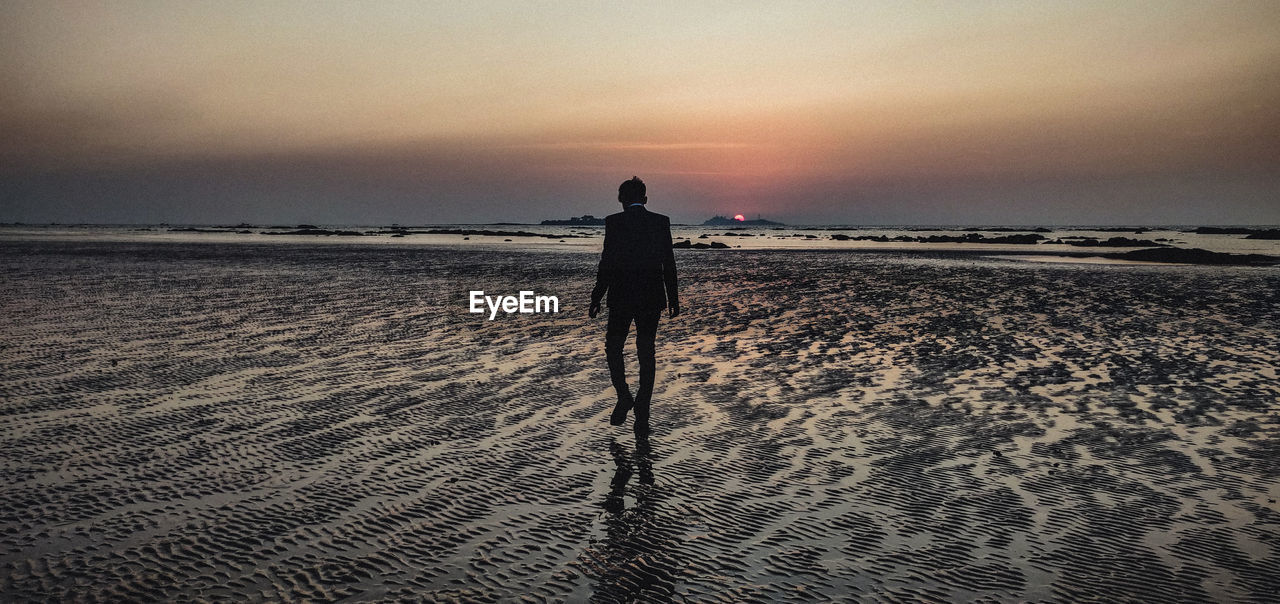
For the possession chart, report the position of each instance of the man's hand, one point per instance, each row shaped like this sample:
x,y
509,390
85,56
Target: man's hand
x,y
593,310
675,310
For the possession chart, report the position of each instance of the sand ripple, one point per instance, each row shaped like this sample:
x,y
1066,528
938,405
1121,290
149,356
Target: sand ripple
x,y
297,422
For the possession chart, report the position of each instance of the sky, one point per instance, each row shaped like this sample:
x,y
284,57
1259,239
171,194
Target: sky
x,y
877,113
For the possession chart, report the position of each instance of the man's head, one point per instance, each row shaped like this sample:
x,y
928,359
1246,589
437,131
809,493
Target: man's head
x,y
632,191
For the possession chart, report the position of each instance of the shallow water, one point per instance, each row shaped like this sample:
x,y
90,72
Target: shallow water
x,y
264,421
592,238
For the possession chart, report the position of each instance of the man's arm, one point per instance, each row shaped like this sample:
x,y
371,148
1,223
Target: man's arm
x,y
669,272
604,272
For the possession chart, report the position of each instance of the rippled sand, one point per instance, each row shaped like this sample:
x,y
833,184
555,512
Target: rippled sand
x,y
266,422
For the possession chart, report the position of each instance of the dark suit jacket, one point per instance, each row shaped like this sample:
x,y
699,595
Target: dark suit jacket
x,y
637,268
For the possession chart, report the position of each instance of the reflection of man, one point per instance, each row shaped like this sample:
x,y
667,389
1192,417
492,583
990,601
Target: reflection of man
x,y
639,550
638,271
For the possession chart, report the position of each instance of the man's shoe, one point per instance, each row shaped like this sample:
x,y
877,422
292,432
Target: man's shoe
x,y
641,428
620,410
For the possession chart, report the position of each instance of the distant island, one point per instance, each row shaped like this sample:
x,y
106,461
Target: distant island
x,y
739,221
585,220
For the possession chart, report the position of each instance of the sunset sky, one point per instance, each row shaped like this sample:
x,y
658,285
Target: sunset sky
x,y
811,112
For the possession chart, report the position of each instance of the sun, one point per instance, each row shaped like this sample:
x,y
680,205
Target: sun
x,y
739,217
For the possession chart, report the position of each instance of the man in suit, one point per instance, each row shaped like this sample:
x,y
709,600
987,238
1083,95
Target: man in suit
x,y
638,271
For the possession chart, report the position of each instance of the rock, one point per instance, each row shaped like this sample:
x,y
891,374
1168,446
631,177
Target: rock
x,y
1193,256
1115,242
314,231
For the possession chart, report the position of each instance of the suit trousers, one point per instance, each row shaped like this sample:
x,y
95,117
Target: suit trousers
x,y
646,332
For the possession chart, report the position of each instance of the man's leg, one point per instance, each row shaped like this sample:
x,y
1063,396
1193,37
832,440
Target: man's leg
x,y
615,336
646,333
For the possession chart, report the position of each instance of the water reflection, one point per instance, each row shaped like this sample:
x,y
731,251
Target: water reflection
x,y
639,550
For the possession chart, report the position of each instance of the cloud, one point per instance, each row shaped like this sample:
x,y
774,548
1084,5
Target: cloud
x,y
634,146
169,112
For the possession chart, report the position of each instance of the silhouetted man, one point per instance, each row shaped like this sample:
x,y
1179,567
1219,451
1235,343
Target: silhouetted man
x,y
638,271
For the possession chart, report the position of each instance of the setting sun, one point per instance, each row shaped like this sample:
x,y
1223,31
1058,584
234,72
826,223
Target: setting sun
x,y
739,217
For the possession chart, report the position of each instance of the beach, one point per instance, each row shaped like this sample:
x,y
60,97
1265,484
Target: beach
x,y
315,420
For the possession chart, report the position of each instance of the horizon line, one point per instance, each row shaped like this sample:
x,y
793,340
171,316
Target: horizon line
x,y
270,224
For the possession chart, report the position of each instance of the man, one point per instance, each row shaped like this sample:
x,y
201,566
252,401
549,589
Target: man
x,y
638,271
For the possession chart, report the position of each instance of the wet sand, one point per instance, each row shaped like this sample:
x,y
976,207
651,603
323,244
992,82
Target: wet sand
x,y
246,421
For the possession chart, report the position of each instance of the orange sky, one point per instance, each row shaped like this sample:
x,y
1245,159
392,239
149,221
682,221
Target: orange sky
x,y
809,112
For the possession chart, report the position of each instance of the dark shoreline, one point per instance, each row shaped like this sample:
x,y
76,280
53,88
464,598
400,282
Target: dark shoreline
x,y
141,246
